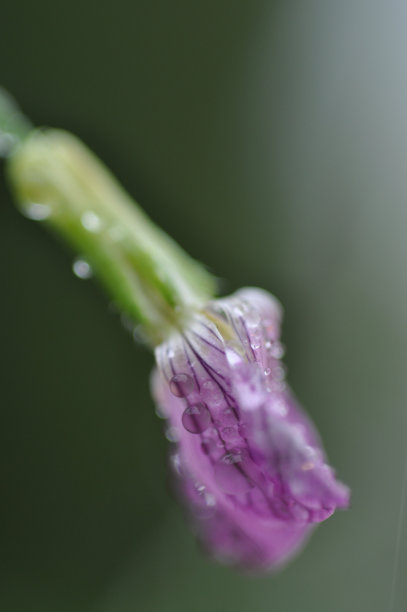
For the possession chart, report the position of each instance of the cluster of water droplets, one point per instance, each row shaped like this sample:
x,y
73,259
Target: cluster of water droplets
x,y
207,413
89,220
258,337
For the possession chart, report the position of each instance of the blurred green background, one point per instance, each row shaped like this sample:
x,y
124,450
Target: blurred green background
x,y
270,139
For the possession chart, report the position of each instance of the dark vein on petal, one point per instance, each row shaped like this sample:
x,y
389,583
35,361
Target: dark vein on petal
x,y
248,337
208,343
194,374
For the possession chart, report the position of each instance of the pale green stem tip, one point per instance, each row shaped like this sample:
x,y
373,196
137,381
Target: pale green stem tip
x,y
14,126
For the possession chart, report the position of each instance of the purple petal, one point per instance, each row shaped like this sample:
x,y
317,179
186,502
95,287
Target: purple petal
x,y
249,462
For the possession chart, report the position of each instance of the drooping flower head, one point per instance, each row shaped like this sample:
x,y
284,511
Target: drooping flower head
x,y
248,461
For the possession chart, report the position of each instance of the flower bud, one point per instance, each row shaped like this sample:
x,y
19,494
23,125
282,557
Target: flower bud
x,y
248,461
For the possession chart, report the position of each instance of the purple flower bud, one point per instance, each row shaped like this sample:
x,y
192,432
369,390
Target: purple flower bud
x,y
248,461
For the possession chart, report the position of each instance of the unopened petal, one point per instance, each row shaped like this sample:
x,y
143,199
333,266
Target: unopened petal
x,y
248,460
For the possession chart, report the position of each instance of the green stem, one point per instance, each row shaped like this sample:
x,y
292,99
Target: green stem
x,y
57,180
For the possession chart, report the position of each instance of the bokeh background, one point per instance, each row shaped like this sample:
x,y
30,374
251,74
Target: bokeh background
x,y
270,139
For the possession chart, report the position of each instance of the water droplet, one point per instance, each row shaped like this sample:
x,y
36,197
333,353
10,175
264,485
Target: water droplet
x,y
37,211
82,269
255,345
181,385
267,372
196,418
160,413
230,474
176,463
253,319
210,500
277,350
211,393
91,221
172,434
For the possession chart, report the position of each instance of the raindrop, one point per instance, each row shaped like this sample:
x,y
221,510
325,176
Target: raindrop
x,y
196,418
175,461
253,320
277,350
230,474
160,413
211,393
210,500
172,434
181,385
37,211
82,269
91,221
